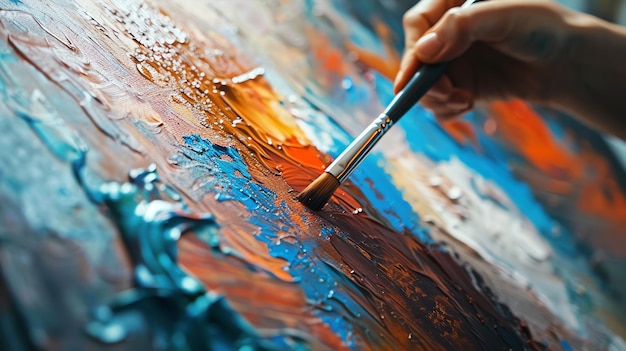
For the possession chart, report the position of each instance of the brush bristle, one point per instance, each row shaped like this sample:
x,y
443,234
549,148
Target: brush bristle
x,y
319,191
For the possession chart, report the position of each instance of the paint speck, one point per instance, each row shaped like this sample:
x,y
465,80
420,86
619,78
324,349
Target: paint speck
x,y
357,211
259,71
435,181
490,126
454,193
236,122
346,83
429,219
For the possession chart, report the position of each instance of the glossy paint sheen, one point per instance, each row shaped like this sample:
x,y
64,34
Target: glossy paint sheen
x,y
154,151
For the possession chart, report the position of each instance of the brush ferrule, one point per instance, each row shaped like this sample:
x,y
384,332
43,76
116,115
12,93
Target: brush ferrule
x,y
352,156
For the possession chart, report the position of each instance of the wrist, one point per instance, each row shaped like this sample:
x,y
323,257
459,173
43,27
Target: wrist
x,y
592,74
575,56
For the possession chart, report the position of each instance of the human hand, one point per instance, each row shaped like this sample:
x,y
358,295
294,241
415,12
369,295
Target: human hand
x,y
535,50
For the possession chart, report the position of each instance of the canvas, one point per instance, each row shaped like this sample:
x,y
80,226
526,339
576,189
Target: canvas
x,y
152,152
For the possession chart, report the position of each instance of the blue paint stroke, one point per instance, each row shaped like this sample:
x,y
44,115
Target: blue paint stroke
x,y
566,346
224,169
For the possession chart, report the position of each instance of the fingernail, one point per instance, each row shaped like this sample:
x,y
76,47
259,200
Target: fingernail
x,y
398,76
396,82
429,45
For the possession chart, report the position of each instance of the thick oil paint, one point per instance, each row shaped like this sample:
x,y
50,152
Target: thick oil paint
x,y
160,146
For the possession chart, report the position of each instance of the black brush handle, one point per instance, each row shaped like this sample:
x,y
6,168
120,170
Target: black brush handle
x,y
419,85
352,156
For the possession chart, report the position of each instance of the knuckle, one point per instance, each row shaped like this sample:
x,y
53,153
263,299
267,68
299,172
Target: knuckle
x,y
411,54
409,19
416,20
431,103
457,24
458,18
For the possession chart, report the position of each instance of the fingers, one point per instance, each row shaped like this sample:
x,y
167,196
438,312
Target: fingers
x,y
447,102
514,43
416,22
524,29
423,16
457,30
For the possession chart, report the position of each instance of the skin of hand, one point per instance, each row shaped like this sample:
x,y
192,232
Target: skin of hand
x,y
535,50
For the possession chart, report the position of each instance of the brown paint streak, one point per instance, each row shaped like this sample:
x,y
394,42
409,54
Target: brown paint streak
x,y
413,289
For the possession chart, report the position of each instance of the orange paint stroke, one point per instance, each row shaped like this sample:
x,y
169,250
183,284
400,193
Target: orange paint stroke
x,y
580,187
329,58
387,63
526,131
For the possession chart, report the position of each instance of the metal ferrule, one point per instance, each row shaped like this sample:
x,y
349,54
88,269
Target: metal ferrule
x,y
352,156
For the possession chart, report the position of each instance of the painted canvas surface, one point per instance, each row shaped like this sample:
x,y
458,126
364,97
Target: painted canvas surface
x,y
150,158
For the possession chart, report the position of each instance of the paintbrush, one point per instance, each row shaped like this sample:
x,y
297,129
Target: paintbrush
x,y
321,189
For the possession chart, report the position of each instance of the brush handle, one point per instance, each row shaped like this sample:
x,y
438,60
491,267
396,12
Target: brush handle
x,y
419,85
352,156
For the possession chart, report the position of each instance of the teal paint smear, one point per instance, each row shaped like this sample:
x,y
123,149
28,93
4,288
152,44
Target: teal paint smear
x,y
34,121
166,305
360,17
152,217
